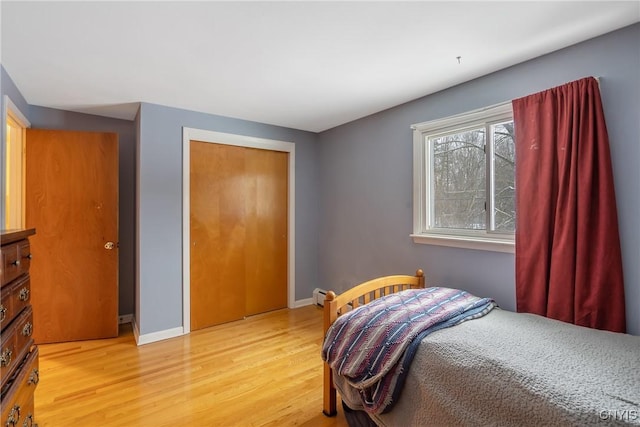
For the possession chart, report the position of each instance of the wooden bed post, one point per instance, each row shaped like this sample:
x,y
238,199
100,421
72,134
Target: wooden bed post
x,y
420,276
329,392
333,303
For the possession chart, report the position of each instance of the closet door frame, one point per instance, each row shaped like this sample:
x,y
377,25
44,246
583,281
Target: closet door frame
x,y
192,134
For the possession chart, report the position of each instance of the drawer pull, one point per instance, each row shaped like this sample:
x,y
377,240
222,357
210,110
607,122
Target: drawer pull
x,y
28,422
24,294
27,329
34,378
3,312
5,357
16,262
29,256
14,416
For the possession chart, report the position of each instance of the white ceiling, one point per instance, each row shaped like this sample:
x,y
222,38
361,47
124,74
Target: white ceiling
x,y
300,64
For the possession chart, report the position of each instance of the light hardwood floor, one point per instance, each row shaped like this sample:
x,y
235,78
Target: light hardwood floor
x,y
265,370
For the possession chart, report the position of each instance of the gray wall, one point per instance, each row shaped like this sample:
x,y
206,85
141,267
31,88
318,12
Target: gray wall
x,y
48,118
160,207
366,175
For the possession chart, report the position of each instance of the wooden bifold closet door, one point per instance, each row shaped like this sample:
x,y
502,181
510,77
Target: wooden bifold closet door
x,y
238,226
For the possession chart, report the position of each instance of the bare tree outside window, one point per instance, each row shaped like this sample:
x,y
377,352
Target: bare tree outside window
x,y
460,179
504,158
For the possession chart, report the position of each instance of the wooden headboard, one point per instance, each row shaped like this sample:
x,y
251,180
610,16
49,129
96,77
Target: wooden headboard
x,y
335,305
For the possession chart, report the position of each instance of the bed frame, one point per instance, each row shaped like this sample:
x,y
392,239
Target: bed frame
x,y
335,305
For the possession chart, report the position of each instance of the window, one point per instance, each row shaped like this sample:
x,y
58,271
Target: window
x,y
464,180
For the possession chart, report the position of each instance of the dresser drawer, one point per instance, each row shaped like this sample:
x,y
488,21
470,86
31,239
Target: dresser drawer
x,y
16,259
8,354
6,308
15,297
15,343
24,331
17,397
19,413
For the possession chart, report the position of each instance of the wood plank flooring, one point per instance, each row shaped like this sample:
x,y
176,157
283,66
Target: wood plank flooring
x,y
265,370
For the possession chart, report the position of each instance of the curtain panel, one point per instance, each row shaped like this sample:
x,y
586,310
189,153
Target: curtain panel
x,y
568,259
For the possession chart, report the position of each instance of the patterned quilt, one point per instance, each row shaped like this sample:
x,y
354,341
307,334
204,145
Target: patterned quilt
x,y
373,345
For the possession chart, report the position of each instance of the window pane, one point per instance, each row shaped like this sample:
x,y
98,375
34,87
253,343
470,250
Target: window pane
x,y
504,158
459,180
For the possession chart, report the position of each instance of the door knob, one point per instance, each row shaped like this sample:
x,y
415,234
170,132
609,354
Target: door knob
x,y
109,245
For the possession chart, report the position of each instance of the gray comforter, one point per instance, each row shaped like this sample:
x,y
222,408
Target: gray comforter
x,y
508,369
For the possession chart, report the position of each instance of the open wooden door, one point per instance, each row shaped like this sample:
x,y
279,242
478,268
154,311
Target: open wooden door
x,y
72,202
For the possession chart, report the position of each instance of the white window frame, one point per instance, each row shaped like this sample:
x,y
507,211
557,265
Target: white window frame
x,y
423,232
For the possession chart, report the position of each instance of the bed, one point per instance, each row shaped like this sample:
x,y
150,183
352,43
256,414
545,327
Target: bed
x,y
493,368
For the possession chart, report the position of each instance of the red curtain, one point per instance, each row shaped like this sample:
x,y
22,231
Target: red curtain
x,y
568,260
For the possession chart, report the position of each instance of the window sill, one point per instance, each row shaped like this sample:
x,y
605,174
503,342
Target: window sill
x,y
466,242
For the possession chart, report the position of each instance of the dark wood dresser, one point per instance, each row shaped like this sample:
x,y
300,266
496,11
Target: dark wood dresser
x,y
18,353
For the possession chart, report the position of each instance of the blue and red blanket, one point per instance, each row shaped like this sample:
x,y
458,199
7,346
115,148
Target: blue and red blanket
x,y
373,345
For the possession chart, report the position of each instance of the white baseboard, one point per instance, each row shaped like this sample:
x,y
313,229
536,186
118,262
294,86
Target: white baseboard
x,y
303,302
125,318
155,336
176,332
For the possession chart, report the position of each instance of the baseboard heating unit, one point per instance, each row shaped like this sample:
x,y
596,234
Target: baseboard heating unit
x,y
318,296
